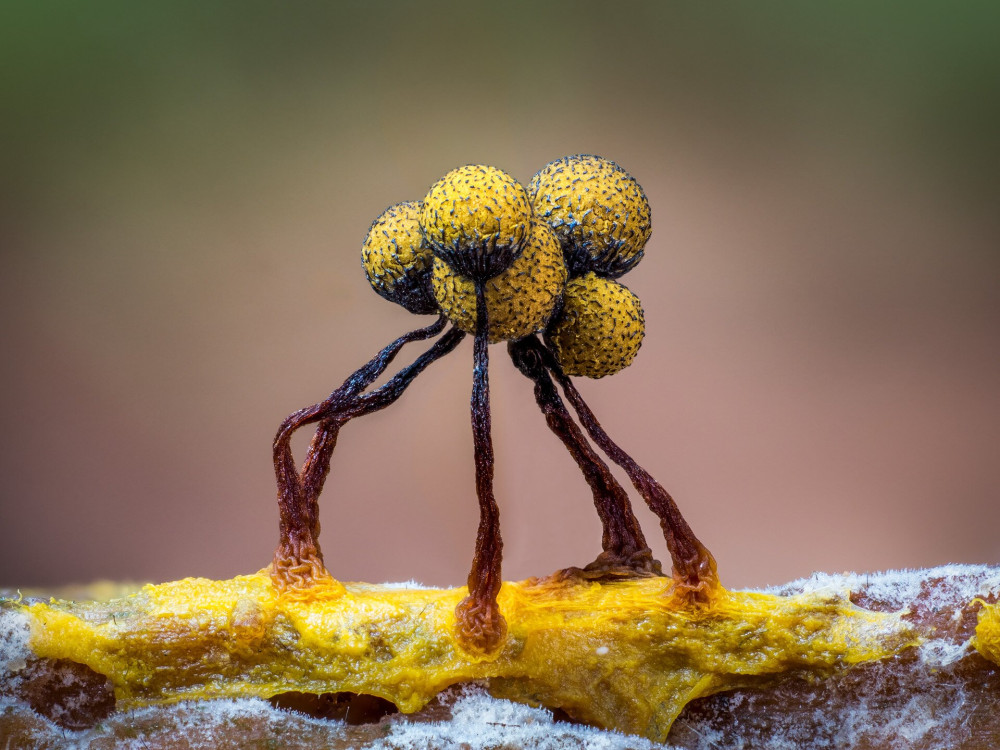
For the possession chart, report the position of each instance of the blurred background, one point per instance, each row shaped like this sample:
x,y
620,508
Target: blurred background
x,y
184,188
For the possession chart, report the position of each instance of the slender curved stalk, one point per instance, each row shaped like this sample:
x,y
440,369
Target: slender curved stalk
x,y
298,559
317,463
694,566
623,542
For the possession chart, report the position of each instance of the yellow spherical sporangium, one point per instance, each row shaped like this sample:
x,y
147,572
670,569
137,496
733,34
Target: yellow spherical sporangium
x,y
396,259
600,328
519,301
598,211
476,219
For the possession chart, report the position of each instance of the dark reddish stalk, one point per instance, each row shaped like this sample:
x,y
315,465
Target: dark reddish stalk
x,y
694,566
316,467
624,544
481,627
298,559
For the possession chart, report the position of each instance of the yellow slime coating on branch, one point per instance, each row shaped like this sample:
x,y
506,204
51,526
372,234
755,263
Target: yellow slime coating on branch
x,y
987,637
600,328
519,301
626,655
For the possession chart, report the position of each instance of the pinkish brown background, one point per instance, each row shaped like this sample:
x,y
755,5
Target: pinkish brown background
x,y
183,193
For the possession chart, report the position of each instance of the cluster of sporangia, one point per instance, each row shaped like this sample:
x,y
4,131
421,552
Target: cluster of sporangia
x,y
505,264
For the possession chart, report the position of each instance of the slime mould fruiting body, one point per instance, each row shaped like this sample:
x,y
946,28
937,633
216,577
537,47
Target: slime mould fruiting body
x,y
535,268
615,643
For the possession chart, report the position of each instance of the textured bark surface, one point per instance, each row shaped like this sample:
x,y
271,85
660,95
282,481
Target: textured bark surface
x,y
942,693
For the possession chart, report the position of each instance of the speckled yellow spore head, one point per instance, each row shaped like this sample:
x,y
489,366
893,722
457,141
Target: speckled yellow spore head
x,y
600,328
598,210
476,219
397,261
519,301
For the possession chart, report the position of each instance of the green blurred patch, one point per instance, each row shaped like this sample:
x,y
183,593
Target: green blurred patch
x,y
90,87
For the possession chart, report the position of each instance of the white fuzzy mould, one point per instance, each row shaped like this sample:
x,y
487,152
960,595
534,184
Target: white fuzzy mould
x,y
204,725
897,588
480,721
221,715
411,584
925,717
14,651
941,653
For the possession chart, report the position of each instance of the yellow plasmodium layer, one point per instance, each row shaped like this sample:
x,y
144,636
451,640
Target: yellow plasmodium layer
x,y
987,637
519,301
625,655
